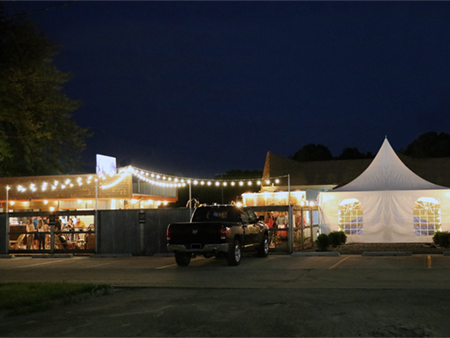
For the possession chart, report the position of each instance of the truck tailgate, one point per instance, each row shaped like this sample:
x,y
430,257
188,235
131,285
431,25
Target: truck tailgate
x,y
196,234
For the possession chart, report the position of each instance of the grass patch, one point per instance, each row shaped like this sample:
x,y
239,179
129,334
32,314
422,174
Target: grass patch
x,y
23,298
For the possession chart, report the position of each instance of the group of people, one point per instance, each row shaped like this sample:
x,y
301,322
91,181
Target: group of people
x,y
38,227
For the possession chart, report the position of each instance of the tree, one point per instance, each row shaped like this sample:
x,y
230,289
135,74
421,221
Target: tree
x,y
351,153
429,144
38,135
312,152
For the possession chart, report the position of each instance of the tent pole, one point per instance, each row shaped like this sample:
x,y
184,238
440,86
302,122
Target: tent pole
x,y
291,224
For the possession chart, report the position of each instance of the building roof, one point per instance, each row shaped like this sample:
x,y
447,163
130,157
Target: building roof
x,y
341,172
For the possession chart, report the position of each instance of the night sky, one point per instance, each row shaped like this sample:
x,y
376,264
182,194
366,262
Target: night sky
x,y
200,88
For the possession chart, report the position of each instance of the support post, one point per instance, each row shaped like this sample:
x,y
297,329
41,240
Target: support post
x,y
291,223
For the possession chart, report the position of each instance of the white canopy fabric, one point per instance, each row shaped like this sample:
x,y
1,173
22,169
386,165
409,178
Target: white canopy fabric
x,y
386,203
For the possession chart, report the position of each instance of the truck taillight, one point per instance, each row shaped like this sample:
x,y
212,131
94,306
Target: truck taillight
x,y
168,235
223,233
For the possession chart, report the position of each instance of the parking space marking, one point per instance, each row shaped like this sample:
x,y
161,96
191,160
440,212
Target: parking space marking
x,y
37,264
94,266
341,261
429,262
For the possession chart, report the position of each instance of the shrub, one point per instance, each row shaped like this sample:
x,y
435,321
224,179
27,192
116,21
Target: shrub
x,y
322,242
442,239
337,238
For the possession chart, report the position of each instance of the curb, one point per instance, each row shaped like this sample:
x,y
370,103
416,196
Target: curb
x,y
6,256
387,253
53,256
446,253
110,256
317,254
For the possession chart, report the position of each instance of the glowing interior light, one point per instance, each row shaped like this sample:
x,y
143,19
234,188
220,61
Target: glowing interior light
x,y
202,182
267,182
258,182
12,202
79,201
217,184
233,184
158,177
52,208
241,183
45,202
225,184
165,202
195,182
277,181
249,183
209,183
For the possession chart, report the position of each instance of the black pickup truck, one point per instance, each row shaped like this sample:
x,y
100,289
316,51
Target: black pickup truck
x,y
219,230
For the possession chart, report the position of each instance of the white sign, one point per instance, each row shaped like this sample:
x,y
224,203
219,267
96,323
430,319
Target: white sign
x,y
106,165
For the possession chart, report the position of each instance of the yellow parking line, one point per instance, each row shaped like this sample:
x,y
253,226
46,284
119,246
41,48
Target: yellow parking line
x,y
429,262
335,265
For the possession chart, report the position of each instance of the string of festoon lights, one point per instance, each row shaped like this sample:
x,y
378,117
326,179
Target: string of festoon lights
x,y
152,177
164,180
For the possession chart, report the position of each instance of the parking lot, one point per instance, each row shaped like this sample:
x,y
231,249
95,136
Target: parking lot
x,y
280,295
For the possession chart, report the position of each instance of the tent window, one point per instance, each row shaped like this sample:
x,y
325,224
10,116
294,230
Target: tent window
x,y
427,216
351,216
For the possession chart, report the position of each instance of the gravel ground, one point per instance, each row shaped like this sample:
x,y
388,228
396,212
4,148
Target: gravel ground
x,y
359,248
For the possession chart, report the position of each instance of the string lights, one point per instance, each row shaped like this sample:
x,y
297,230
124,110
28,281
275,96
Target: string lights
x,y
164,180
154,178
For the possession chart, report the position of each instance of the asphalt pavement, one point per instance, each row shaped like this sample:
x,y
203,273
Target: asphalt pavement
x,y
277,296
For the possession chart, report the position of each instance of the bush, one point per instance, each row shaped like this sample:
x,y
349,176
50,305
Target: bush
x,y
337,238
442,239
322,242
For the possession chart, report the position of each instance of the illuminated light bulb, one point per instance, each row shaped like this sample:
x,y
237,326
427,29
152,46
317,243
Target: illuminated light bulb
x,y
233,184
277,181
239,204
258,182
158,203
188,181
53,187
176,180
133,201
63,186
209,183
12,202
241,183
25,203
217,184
202,182
90,178
79,201
67,181
142,173
45,202
267,182
195,182
79,183
164,177
165,202
170,178
89,201
52,208
225,184
311,203
158,177
249,183
152,175
71,185
78,179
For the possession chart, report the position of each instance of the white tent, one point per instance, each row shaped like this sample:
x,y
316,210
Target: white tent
x,y
386,203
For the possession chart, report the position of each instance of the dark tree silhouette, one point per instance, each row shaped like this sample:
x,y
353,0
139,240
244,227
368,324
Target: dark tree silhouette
x,y
429,144
312,152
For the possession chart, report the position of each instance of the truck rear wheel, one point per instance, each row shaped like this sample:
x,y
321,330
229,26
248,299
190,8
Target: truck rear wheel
x,y
182,258
263,249
234,254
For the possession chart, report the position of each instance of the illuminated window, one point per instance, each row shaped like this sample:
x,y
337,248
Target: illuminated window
x,y
427,216
351,216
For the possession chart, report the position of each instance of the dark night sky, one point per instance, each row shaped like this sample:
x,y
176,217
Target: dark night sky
x,y
200,88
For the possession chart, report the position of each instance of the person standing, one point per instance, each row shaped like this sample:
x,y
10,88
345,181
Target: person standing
x,y
41,234
30,236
